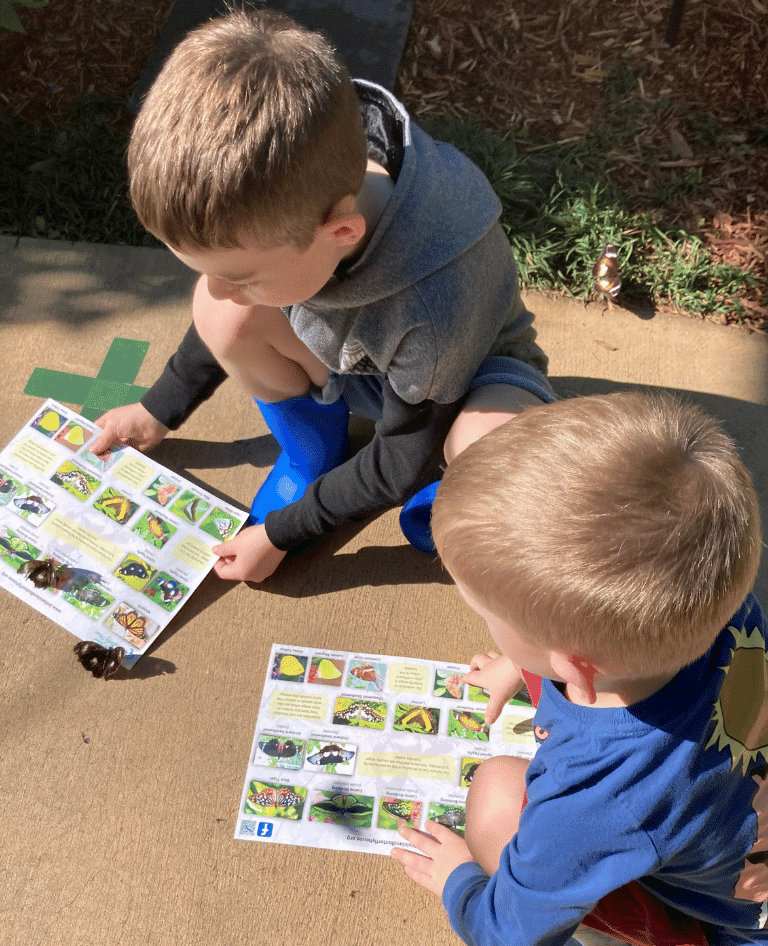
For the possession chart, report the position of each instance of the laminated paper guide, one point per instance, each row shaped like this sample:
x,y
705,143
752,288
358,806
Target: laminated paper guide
x,y
127,539
348,743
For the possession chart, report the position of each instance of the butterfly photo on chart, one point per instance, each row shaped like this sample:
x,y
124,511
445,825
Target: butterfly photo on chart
x,y
280,752
14,550
421,719
468,725
330,757
129,623
363,713
366,676
273,800
113,504
391,810
451,816
468,769
338,808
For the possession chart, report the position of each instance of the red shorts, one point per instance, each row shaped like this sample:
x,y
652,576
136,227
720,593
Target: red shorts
x,y
630,913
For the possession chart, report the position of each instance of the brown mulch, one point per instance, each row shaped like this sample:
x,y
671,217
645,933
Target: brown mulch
x,y
539,72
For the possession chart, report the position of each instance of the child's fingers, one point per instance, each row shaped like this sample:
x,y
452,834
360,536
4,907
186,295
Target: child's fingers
x,y
439,832
416,868
419,839
224,568
425,841
103,442
480,660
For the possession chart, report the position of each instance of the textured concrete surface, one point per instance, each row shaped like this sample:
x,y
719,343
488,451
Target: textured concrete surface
x,y
118,798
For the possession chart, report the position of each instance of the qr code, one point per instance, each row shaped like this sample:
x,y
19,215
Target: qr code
x,y
248,827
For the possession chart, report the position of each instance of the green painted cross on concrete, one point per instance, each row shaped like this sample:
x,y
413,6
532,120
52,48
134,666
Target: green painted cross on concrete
x,y
112,387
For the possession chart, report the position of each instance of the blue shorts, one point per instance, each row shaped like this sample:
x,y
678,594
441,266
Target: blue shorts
x,y
363,392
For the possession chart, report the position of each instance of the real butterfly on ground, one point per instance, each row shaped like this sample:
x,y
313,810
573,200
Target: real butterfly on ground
x,y
102,662
606,272
41,572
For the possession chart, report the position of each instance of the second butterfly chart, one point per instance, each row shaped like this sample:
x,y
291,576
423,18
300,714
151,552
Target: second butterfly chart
x,y
346,744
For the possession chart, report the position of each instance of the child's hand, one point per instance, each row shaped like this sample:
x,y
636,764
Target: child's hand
x,y
444,852
250,556
499,676
132,424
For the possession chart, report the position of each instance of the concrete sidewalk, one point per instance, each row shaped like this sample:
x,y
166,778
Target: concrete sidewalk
x,y
118,799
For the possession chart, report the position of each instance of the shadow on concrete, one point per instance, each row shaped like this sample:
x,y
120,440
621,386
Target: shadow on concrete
x,y
89,281
320,568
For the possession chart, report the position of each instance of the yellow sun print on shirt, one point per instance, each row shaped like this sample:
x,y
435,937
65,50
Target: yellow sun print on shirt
x,y
740,715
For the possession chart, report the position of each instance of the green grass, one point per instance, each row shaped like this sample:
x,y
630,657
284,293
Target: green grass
x,y
67,182
559,207
559,211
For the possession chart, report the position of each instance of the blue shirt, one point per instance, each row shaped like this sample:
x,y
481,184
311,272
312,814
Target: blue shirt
x,y
670,791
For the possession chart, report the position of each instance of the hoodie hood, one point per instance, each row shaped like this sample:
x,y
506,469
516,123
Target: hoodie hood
x,y
441,205
436,286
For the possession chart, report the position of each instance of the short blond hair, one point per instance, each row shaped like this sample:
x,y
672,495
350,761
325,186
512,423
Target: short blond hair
x,y
622,528
251,132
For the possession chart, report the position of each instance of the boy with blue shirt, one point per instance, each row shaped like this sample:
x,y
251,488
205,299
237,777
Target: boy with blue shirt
x,y
610,544
348,262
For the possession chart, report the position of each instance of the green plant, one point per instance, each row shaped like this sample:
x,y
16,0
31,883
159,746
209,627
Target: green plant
x,y
560,209
68,181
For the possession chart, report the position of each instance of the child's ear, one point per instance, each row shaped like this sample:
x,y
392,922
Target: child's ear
x,y
578,673
345,229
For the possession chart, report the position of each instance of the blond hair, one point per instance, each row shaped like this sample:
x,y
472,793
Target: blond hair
x,y
252,131
622,528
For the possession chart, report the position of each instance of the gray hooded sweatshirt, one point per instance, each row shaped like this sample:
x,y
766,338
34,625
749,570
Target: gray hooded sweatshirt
x,y
434,293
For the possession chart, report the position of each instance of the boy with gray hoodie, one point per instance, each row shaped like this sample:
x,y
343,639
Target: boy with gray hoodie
x,y
349,263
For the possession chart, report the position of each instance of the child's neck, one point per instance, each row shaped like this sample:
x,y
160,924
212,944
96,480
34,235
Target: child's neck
x,y
373,198
610,693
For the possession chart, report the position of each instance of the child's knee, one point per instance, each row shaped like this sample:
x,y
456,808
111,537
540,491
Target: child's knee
x,y
495,783
494,803
485,409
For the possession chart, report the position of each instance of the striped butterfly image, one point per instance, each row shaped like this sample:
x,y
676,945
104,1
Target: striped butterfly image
x,y
424,719
359,713
287,798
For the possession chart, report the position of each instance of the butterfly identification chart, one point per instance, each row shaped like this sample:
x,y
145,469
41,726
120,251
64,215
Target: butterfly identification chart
x,y
346,744
115,544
